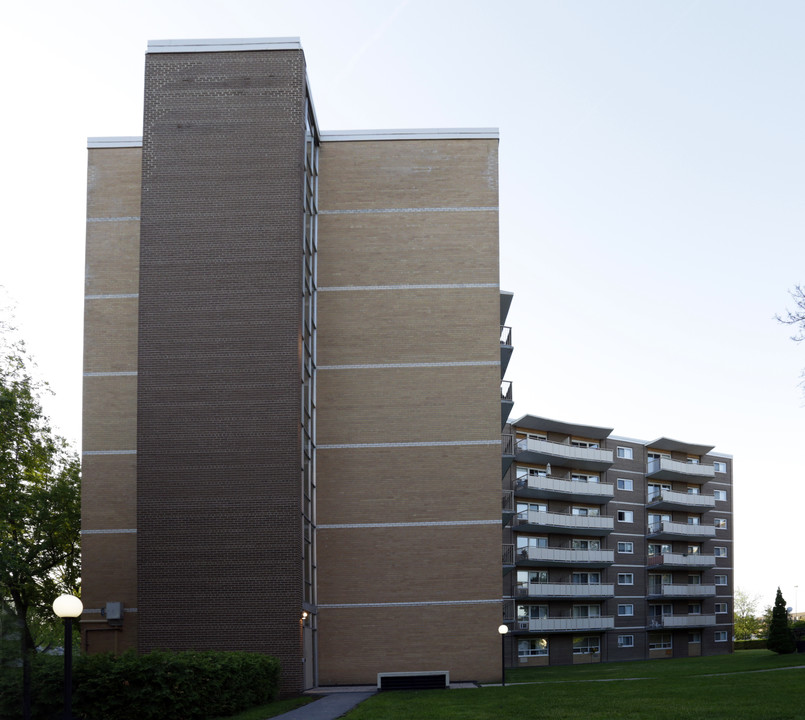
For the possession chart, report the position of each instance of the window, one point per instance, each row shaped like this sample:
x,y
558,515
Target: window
x,y
694,520
524,508
660,641
626,548
625,516
578,477
720,551
586,511
658,549
530,577
627,579
586,645
720,467
720,494
694,637
655,489
720,580
626,610
695,579
694,490
625,453
586,578
525,613
721,608
721,636
532,647
524,541
694,549
694,608
720,523
581,544
586,611
584,443
536,436
655,521
625,484
693,461
625,641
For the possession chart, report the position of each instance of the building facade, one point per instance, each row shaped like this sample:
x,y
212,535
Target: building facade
x,y
292,410
614,548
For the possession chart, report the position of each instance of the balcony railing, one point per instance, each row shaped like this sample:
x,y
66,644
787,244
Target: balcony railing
x,y
682,621
669,500
554,487
565,522
557,590
506,392
507,444
545,451
667,469
566,624
564,556
682,530
505,335
686,560
671,590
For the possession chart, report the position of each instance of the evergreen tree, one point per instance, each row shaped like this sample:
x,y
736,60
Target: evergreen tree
x,y
780,639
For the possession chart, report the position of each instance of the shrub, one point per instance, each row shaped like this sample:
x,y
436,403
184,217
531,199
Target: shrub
x,y
780,639
750,645
180,686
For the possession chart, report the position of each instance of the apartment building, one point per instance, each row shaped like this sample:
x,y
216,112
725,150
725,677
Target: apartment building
x,y
614,548
292,368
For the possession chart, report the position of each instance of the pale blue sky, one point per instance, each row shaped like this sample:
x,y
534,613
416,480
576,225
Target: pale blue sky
x,y
652,176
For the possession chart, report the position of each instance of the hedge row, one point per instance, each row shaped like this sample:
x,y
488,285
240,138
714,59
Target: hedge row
x,y
159,685
750,644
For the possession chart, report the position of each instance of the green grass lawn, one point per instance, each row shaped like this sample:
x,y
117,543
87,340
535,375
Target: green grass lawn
x,y
673,690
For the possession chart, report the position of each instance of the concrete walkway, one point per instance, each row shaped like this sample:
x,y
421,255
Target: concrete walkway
x,y
329,707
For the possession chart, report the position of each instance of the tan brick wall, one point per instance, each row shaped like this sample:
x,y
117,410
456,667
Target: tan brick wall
x,y
408,174
109,492
404,484
110,413
398,326
113,182
357,643
393,248
113,258
110,335
408,404
408,564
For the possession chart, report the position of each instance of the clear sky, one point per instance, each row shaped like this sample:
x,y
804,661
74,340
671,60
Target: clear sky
x,y
652,179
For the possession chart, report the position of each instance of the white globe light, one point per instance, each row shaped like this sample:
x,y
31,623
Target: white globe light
x,y
67,606
503,629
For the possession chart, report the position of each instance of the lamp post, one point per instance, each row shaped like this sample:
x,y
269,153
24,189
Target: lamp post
x,y
68,607
503,629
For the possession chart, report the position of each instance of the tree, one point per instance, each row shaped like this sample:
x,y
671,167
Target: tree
x,y
780,639
796,318
747,625
39,504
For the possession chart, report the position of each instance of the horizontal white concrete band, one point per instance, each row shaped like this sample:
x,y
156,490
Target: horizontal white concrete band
x,y
623,534
109,452
112,296
453,286
223,45
384,366
623,502
380,211
433,443
97,611
127,218
622,565
119,373
114,142
433,523
414,134
410,604
119,531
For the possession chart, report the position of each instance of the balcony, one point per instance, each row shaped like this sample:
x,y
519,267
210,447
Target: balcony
x,y
564,590
680,531
566,624
506,401
507,506
563,557
565,523
667,469
681,621
506,452
682,560
668,500
561,489
682,591
506,348
542,452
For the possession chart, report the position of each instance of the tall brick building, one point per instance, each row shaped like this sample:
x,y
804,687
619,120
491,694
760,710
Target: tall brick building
x,y
292,410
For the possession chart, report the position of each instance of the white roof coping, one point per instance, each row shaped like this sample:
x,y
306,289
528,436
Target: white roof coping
x,y
114,142
223,45
423,134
